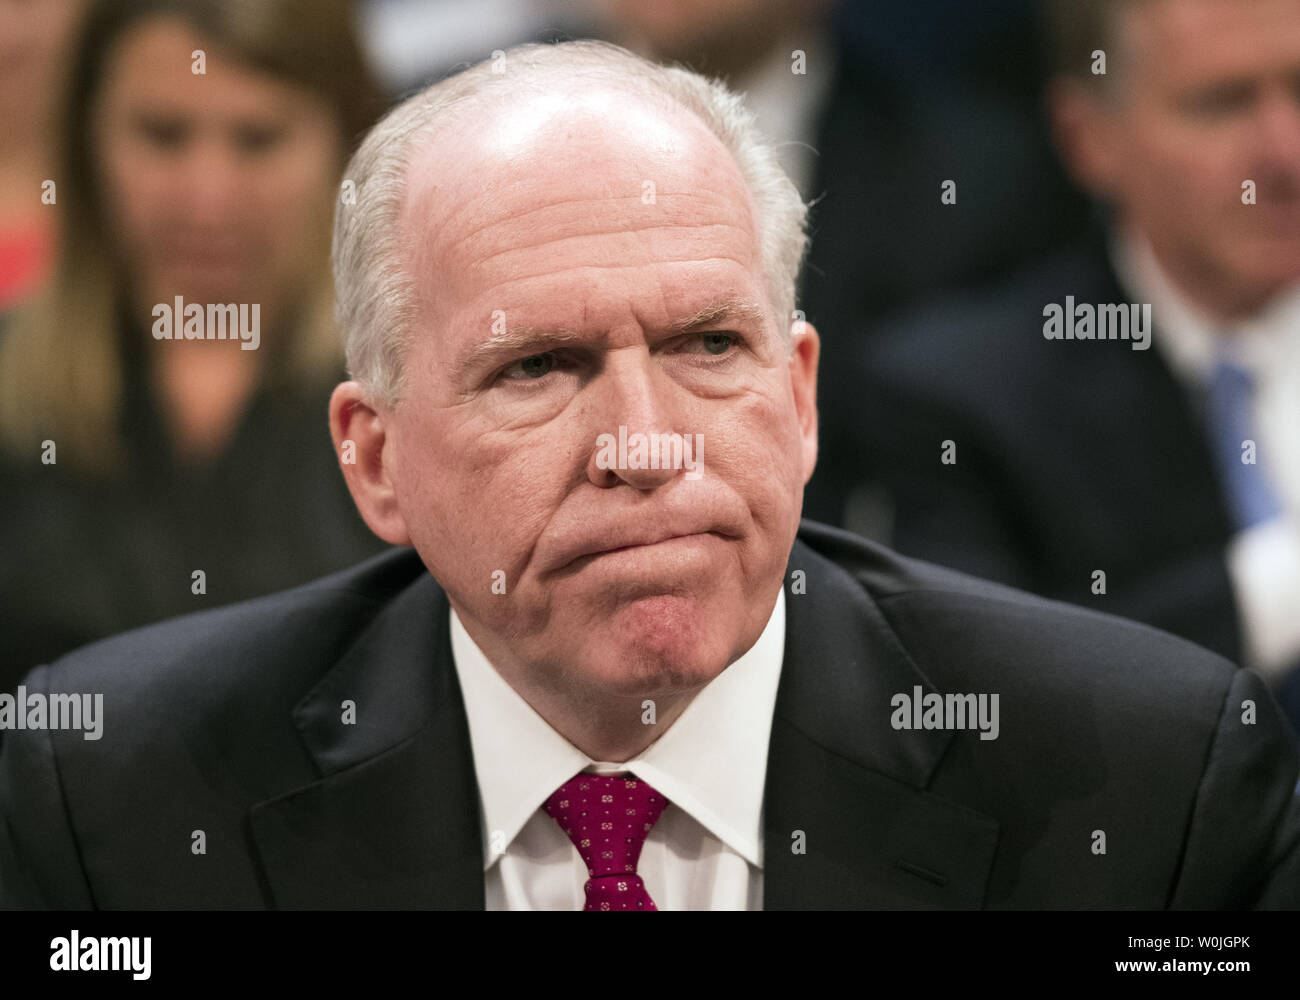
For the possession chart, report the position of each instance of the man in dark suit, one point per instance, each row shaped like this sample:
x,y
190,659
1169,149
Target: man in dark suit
x,y
1155,477
610,674
1122,774
1067,458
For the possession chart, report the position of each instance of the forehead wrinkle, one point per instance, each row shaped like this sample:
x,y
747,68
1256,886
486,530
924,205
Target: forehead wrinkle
x,y
479,187
460,194
481,233
422,182
670,211
553,241
569,271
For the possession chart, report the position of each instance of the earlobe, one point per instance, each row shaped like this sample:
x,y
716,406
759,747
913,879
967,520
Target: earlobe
x,y
361,432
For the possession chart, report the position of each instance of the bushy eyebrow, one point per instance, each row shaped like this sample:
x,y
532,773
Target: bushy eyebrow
x,y
722,313
527,341
523,342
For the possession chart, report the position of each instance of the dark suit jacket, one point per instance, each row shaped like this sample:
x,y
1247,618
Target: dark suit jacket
x,y
229,722
89,556
1072,456
882,238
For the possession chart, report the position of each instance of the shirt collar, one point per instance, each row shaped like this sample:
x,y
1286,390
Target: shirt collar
x,y
1193,340
711,762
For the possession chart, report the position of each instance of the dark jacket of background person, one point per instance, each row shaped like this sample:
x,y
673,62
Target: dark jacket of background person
x,y
1071,456
883,240
1078,458
106,528
229,721
88,556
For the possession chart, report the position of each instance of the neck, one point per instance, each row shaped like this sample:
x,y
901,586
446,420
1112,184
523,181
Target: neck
x,y
203,389
605,727
1223,297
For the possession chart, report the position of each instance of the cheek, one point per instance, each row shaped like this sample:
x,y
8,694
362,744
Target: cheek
x,y
754,448
474,503
129,186
296,186
762,429
1183,165
293,212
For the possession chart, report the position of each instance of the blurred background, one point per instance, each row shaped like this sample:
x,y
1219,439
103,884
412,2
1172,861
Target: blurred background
x,y
968,166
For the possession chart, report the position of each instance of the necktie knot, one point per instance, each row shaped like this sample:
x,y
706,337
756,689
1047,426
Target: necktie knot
x,y
608,818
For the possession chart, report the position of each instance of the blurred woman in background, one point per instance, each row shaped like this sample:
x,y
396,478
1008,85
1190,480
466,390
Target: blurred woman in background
x,y
202,149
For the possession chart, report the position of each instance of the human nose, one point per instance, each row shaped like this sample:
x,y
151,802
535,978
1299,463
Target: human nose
x,y
635,413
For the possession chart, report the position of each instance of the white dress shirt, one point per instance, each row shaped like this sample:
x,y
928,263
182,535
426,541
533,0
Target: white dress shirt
x,y
1263,561
706,850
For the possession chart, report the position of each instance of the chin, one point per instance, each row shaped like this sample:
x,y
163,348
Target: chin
x,y
206,284
1273,256
659,645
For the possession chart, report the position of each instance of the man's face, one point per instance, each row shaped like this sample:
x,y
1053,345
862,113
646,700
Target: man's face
x,y
1209,99
587,265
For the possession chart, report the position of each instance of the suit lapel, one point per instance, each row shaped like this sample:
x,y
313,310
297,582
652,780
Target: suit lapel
x,y
394,820
839,773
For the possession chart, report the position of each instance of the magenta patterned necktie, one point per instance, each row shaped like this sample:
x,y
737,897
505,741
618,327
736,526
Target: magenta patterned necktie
x,y
608,818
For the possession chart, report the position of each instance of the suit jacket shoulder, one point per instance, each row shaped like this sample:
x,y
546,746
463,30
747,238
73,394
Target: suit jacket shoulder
x,y
1129,768
202,716
310,749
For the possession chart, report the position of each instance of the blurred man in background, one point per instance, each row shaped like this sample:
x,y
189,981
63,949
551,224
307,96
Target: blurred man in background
x,y
1162,484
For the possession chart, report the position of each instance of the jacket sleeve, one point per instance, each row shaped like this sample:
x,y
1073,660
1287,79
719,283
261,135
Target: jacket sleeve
x,y
1243,843
40,863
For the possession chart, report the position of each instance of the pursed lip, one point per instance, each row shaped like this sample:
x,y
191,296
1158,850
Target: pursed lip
x,y
589,551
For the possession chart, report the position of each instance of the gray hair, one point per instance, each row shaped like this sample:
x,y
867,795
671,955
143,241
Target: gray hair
x,y
374,288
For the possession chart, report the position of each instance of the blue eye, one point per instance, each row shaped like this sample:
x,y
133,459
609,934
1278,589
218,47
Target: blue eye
x,y
534,366
721,341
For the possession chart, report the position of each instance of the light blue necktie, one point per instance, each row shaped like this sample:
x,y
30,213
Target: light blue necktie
x,y
1230,412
